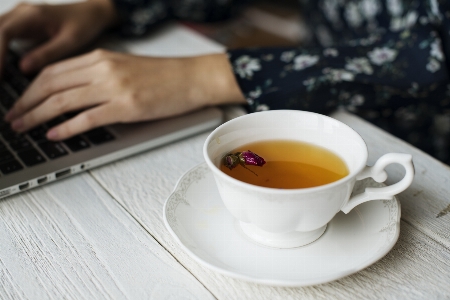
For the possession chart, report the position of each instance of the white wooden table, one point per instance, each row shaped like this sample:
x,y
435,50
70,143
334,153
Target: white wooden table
x,y
100,235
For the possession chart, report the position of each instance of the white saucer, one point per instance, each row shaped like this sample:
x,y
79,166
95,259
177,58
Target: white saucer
x,y
196,217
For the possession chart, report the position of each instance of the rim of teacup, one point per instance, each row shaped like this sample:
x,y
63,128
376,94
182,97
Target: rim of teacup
x,y
353,173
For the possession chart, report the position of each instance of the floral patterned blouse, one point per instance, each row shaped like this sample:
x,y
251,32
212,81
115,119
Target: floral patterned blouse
x,y
385,60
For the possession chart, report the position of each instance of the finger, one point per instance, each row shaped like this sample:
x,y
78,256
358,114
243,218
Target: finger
x,y
56,105
98,116
47,85
3,18
16,25
56,48
81,61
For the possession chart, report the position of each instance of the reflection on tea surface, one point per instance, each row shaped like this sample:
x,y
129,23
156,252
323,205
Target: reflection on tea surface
x,y
289,165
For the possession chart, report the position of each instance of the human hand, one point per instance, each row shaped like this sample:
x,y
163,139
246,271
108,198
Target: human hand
x,y
114,87
61,29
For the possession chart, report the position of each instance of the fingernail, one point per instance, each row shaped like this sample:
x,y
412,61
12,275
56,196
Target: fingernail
x,y
52,134
17,125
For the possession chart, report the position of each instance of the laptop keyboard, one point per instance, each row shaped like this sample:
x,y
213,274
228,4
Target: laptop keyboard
x,y
19,151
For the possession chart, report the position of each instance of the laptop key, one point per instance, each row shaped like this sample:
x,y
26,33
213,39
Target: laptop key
x,y
5,155
38,133
10,166
15,79
76,143
52,149
31,157
10,135
4,126
20,144
6,99
99,136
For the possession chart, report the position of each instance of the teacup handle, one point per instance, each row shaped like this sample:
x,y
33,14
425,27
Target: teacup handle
x,y
378,173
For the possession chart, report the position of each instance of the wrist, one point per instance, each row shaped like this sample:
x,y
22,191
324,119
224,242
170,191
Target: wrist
x,y
214,81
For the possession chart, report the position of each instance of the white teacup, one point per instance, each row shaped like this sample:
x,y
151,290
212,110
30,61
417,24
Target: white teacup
x,y
286,218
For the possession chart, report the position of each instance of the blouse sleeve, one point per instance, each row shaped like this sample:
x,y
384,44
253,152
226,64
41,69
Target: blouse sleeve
x,y
138,16
390,70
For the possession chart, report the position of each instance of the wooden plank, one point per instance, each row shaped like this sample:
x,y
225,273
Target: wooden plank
x,y
417,266
71,240
426,203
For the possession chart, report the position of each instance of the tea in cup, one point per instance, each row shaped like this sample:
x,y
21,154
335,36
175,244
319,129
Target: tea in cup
x,y
311,164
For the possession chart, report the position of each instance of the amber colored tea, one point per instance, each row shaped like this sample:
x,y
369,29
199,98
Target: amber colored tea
x,y
290,165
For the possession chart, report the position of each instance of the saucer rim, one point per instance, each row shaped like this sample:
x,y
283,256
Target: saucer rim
x,y
277,282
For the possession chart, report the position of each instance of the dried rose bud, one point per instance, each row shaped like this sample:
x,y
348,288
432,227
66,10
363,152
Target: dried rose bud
x,y
230,161
243,158
250,158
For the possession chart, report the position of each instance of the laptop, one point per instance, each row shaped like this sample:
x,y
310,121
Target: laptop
x,y
29,160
